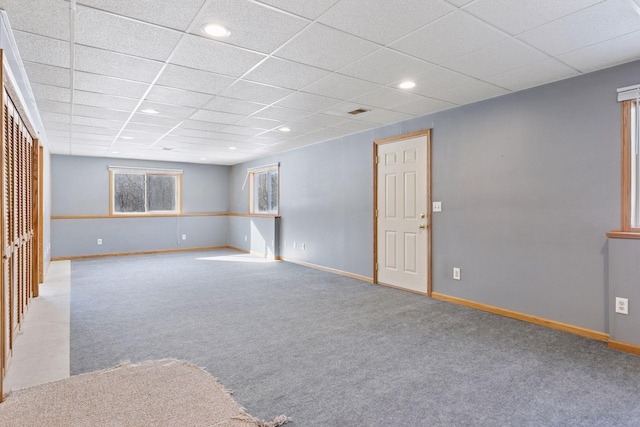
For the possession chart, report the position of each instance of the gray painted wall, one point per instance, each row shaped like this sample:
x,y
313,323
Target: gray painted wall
x,y
253,234
624,282
530,184
80,186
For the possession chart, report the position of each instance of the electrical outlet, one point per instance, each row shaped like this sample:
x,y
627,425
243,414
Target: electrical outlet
x,y
456,273
99,241
184,237
437,206
622,305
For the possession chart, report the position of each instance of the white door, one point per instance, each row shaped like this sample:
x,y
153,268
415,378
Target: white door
x,y
402,215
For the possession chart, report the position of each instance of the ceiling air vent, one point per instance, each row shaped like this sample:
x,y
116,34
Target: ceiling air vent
x,y
358,111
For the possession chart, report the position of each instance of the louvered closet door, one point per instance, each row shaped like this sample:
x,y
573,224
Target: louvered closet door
x,y
7,244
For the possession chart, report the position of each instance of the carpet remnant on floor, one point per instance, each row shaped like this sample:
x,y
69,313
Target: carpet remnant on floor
x,y
160,393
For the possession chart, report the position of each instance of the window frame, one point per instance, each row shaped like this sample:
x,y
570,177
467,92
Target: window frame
x,y
251,174
113,171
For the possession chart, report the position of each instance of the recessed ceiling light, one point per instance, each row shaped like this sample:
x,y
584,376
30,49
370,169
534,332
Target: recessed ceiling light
x,y
407,85
232,148
216,30
149,111
284,129
126,137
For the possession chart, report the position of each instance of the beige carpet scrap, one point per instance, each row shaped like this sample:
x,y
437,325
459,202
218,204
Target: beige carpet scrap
x,y
155,393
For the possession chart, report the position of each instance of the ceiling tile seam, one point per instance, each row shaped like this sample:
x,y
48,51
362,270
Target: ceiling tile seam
x,y
72,66
204,6
277,9
15,30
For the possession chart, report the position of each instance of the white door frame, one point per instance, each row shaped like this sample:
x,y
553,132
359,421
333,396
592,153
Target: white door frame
x,y
376,143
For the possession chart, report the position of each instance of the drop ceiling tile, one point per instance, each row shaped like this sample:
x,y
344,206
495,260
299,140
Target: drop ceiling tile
x,y
164,13
386,98
355,125
384,117
199,125
241,130
385,66
91,121
168,110
209,55
595,24
532,75
205,135
307,102
301,128
339,86
62,134
286,74
606,54
51,93
437,80
283,114
343,110
383,21
178,97
76,129
473,92
138,128
53,106
252,25
100,113
310,48
454,35
105,101
459,3
235,106
275,135
321,120
329,133
255,92
114,64
115,33
308,9
91,137
49,18
258,123
423,106
194,80
156,120
43,50
216,116
49,126
48,75
498,58
108,85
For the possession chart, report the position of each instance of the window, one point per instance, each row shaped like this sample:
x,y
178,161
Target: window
x,y
263,189
144,191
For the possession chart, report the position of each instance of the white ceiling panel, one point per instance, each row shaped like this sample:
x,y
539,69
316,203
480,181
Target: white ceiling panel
x,y
144,128
606,20
384,117
168,110
385,66
91,121
532,75
355,125
43,50
383,21
194,80
162,12
386,98
181,97
322,120
307,102
459,3
256,92
156,120
252,25
423,106
301,128
231,105
199,125
107,31
91,137
258,123
517,17
209,55
51,93
108,85
45,17
283,114
100,113
106,101
309,48
470,93
339,86
329,133
498,58
216,116
454,35
342,110
54,126
114,64
437,80
205,135
291,75
615,51
53,106
243,131
48,75
93,130
308,9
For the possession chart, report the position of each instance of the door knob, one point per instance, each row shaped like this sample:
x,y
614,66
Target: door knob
x,y
421,226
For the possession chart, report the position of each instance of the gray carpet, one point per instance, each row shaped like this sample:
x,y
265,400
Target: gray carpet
x,y
331,351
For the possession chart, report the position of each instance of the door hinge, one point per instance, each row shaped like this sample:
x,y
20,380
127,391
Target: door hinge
x,y
377,157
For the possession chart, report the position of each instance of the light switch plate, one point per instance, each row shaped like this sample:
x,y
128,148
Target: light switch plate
x,y
437,206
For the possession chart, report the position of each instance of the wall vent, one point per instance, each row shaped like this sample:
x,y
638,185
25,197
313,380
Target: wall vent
x,y
358,111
